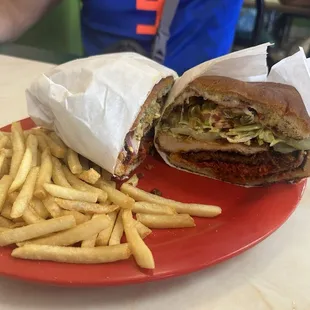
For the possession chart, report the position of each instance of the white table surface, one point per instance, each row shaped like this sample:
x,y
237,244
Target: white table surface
x,y
273,275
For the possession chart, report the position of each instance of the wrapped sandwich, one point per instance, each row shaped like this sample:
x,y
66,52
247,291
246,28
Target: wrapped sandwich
x,y
239,132
103,107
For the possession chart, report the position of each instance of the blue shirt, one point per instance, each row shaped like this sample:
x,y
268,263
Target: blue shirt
x,y
201,29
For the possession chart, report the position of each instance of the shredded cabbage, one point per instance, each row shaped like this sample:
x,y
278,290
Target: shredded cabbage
x,y
206,122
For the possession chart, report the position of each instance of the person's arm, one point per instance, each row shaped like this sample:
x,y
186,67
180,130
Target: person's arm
x,y
16,16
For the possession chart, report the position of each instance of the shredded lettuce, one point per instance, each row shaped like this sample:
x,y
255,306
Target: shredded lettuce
x,y
207,122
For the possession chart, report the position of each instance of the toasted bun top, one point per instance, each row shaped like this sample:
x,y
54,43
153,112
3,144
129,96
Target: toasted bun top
x,y
280,106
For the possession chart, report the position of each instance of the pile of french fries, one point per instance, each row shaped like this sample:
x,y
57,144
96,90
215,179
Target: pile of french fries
x,y
56,205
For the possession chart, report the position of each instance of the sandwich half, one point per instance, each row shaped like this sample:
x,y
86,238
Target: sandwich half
x,y
239,132
139,139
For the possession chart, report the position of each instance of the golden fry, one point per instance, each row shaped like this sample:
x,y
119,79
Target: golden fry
x,y
70,193
38,206
76,183
104,236
73,235
142,229
36,230
42,144
140,251
26,193
58,175
6,210
74,162
5,184
152,208
166,221
183,208
4,141
73,255
22,171
58,140
30,216
51,206
117,231
90,176
79,217
32,144
18,149
56,149
4,222
85,207
117,197
45,174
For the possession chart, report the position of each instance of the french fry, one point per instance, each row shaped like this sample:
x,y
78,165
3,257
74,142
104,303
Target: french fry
x,y
45,174
85,207
30,216
26,193
73,235
22,171
6,210
5,169
56,149
90,176
73,255
143,231
36,230
140,251
17,126
4,222
32,144
76,183
152,208
134,180
79,217
5,184
7,153
70,193
4,141
166,221
117,197
74,162
18,149
58,140
58,175
12,197
91,242
38,206
52,207
4,229
42,144
104,236
2,160
118,230
184,208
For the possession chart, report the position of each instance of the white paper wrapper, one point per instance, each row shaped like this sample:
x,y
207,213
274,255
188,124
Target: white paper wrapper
x,y
93,102
294,70
249,65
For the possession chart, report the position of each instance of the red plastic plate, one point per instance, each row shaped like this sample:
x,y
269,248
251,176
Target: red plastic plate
x,y
249,216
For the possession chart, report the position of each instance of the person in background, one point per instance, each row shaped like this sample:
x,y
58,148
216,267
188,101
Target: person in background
x,y
199,29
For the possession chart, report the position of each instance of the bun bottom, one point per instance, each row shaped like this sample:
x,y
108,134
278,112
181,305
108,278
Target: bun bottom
x,y
293,176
